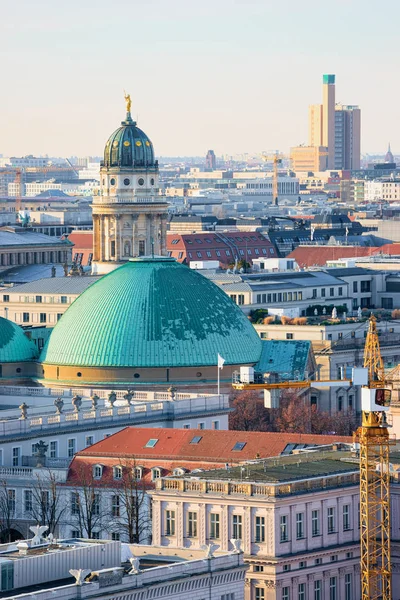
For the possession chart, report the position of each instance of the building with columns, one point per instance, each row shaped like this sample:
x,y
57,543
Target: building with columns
x,y
296,516
129,215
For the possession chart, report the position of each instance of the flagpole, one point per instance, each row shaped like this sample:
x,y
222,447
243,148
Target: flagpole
x,y
218,369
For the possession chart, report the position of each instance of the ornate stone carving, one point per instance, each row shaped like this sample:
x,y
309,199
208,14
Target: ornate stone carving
x,y
24,410
59,403
76,402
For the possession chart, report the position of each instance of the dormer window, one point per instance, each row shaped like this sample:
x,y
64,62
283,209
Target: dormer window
x,y
179,471
97,471
117,472
137,472
155,473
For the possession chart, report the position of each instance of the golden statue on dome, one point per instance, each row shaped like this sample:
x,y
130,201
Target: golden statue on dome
x,y
128,102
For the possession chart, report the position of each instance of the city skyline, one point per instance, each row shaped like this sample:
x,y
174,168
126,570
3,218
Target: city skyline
x,y
234,77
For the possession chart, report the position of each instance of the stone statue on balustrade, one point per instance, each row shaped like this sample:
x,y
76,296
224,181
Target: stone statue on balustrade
x,y
76,403
128,396
40,453
112,398
59,403
24,410
95,401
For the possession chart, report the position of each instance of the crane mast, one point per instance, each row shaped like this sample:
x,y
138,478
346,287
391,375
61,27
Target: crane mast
x,y
374,445
373,437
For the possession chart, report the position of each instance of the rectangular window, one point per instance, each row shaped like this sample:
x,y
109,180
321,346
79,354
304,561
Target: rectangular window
x,y
290,296
28,501
25,317
323,292
355,286
237,527
299,526
302,591
260,529
240,299
340,291
346,517
39,299
284,528
95,535
169,522
214,526
347,586
331,291
64,300
314,293
11,498
71,447
96,505
43,317
16,457
259,593
6,298
115,506
215,425
54,449
332,588
331,519
89,440
74,533
286,593
192,524
318,589
315,523
289,336
75,503
300,295
365,286
115,536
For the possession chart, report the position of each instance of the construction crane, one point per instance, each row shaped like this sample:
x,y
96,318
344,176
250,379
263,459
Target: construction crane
x,y
374,444
374,441
276,160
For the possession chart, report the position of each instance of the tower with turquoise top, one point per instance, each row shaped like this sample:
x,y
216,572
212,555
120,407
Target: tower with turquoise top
x,y
129,215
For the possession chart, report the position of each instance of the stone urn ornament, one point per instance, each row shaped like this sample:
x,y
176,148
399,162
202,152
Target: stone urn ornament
x,y
76,403
59,403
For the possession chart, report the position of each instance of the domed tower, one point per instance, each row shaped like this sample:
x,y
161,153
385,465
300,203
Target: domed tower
x,y
129,215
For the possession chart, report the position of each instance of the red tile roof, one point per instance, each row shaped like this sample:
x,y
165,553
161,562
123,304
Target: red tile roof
x,y
174,449
83,246
221,246
310,256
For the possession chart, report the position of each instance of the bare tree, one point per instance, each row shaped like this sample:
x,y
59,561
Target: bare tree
x,y
47,503
87,508
133,506
7,512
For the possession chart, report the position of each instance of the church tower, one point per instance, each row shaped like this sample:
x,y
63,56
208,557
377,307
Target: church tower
x,y
129,215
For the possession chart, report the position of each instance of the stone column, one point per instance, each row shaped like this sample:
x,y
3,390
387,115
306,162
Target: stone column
x,y
135,246
117,238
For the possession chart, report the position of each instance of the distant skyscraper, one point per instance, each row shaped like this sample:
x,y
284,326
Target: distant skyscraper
x,y
338,128
328,117
211,161
347,137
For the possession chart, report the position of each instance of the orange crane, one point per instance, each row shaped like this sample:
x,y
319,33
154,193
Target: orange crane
x,y
374,444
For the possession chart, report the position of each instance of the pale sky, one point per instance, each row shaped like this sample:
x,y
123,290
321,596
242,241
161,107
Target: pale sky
x,y
232,75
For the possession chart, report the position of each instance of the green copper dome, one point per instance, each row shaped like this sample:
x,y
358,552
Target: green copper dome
x,y
14,345
152,313
129,147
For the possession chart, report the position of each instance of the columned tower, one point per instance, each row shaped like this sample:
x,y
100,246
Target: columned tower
x,y
129,215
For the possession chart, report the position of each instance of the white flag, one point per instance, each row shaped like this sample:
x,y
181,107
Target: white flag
x,y
221,362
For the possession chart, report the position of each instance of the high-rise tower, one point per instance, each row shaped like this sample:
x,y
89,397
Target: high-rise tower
x,y
129,215
328,117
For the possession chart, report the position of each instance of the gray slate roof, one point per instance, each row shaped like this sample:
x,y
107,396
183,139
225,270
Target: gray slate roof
x,y
55,285
8,238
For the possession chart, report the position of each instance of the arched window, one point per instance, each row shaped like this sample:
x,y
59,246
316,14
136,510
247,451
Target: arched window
x,y
117,471
97,471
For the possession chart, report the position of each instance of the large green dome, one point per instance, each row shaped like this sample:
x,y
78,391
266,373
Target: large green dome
x,y
129,147
152,312
14,345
